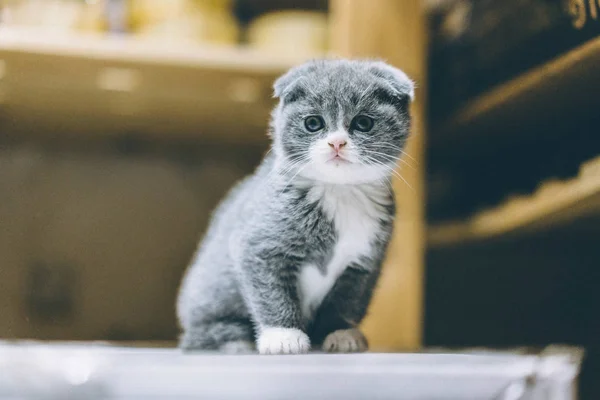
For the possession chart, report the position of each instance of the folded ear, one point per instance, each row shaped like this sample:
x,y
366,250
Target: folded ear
x,y
399,82
285,83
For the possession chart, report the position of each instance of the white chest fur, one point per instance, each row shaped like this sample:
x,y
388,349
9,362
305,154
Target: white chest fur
x,y
355,211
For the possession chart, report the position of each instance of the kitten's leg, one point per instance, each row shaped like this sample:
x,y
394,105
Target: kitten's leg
x,y
229,337
270,289
336,323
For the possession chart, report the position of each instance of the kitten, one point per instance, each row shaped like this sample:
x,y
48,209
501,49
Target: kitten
x,y
293,253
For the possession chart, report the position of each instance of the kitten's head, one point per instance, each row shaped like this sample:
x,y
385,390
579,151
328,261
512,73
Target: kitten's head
x,y
341,121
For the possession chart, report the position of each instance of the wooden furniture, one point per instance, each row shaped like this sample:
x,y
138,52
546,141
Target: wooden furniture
x,y
124,85
518,265
555,202
394,31
508,110
514,112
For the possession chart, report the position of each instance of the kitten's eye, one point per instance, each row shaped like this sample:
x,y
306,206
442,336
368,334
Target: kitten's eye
x,y
362,123
314,123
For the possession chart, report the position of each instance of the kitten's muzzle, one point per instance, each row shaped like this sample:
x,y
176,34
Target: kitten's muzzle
x,y
337,144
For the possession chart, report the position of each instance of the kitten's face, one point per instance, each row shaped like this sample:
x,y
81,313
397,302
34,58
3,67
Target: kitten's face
x,y
342,121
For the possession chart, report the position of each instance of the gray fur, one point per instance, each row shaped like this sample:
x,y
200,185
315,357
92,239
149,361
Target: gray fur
x,y
244,276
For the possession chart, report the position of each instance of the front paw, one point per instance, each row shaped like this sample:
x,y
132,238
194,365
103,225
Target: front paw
x,y
345,341
282,341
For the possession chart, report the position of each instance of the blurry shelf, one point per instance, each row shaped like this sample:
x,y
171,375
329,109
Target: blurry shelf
x,y
553,203
558,90
258,7
99,85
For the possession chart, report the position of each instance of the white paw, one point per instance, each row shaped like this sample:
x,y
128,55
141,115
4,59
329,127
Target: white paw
x,y
345,341
237,347
282,341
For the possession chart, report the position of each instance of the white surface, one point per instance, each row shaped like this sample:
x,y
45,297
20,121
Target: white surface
x,y
92,372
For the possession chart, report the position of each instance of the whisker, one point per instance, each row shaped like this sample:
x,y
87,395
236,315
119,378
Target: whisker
x,y
385,182
389,157
292,179
290,167
404,153
409,156
396,158
389,169
286,168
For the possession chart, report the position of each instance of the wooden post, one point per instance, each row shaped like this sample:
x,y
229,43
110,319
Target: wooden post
x,y
394,30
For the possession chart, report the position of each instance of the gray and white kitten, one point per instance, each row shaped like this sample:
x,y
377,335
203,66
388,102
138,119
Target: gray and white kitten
x,y
293,253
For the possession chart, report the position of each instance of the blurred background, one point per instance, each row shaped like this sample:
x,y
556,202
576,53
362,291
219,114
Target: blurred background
x,y
123,122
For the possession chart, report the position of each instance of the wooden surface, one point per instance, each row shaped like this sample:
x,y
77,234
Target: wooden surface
x,y
553,203
86,86
565,86
394,31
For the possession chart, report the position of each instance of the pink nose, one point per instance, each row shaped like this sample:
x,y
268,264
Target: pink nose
x,y
337,144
